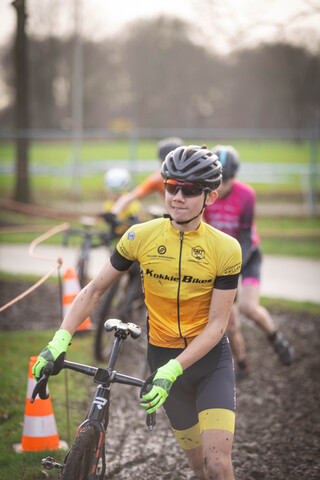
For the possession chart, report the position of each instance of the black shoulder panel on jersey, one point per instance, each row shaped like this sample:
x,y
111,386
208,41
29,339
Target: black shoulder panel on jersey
x,y
226,282
119,262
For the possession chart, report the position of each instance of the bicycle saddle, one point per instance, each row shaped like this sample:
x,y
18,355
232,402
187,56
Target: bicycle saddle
x,y
128,328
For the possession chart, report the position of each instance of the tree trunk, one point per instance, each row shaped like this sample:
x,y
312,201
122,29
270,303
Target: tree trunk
x,y
22,186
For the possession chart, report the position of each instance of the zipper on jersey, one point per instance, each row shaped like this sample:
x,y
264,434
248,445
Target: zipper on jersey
x,y
178,294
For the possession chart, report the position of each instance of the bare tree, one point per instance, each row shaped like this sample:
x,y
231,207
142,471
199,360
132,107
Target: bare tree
x,y
22,187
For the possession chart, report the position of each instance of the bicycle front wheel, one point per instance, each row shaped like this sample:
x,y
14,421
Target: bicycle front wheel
x,y
86,458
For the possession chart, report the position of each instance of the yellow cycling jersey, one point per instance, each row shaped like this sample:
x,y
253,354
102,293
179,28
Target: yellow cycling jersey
x,y
180,271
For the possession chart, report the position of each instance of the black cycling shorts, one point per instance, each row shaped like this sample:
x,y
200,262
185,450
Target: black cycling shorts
x,y
252,268
203,397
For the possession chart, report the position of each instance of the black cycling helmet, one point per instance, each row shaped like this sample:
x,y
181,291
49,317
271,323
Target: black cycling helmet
x,y
193,164
229,159
166,145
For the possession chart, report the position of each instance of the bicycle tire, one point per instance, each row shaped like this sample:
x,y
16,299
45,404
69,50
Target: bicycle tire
x,y
82,455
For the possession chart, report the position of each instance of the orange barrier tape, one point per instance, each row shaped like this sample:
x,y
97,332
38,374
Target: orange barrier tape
x,y
45,236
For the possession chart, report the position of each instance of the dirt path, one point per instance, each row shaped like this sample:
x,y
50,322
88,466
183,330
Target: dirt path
x,y
278,417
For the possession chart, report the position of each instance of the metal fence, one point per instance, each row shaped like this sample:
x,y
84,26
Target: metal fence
x,y
305,175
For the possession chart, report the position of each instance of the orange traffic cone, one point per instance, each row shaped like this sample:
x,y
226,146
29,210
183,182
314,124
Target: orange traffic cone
x,y
39,428
71,288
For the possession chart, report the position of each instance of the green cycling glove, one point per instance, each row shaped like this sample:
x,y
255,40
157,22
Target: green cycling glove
x,y
161,385
54,352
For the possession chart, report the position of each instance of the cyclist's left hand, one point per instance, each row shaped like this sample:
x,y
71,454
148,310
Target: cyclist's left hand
x,y
161,385
54,352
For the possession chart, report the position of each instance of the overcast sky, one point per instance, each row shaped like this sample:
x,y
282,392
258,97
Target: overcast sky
x,y
224,23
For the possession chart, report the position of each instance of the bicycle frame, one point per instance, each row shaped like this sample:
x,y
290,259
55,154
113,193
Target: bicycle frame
x,y
98,415
103,377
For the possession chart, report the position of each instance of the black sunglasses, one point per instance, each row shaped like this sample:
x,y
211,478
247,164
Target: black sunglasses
x,y
187,189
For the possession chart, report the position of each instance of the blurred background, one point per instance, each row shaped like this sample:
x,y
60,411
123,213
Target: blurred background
x,y
85,84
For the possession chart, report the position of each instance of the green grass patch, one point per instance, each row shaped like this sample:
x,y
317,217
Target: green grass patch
x,y
298,237
294,247
279,235
11,277
58,153
280,305
16,348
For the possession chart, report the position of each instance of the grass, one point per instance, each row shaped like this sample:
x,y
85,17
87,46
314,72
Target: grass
x,y
298,236
280,305
60,154
16,348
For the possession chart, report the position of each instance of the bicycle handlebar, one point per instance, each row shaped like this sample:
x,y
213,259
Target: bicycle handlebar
x,y
101,375
105,237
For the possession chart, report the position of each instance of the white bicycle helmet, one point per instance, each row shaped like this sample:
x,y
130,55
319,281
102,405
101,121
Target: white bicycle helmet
x,y
117,179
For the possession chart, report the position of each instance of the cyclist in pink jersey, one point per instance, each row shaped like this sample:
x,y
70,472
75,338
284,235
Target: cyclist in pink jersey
x,y
233,213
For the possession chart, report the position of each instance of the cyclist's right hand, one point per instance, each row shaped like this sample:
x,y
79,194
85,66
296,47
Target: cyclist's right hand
x,y
110,218
54,352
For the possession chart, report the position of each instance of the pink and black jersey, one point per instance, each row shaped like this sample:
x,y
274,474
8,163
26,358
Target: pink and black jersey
x,y
234,212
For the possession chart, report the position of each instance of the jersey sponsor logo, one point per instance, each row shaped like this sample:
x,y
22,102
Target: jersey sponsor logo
x,y
124,252
191,279
172,278
131,235
234,269
162,250
198,253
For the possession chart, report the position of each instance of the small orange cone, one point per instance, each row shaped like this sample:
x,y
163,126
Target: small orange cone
x,y
39,428
71,288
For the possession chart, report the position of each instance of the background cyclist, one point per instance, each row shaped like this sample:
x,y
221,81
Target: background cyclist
x,y
153,183
117,182
233,213
190,274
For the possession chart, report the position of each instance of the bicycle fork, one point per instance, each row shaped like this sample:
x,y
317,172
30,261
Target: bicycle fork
x,y
99,417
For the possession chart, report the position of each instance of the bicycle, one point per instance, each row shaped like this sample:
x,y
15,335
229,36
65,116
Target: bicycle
x,y
124,300
91,239
86,459
125,297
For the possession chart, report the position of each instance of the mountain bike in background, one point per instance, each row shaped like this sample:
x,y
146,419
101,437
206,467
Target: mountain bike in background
x,y
90,239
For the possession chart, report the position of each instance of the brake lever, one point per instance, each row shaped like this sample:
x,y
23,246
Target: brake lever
x,y
41,385
151,417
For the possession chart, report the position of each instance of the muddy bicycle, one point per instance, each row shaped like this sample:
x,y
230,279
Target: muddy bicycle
x,y
90,239
125,297
86,459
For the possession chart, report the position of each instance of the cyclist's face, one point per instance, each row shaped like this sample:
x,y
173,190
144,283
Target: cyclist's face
x,y
181,208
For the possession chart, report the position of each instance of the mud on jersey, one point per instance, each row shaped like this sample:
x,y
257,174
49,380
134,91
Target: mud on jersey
x,y
180,270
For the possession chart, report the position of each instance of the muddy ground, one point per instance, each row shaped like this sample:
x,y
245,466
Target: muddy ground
x,y
278,408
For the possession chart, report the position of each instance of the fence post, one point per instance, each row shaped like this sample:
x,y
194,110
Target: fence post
x,y
133,154
314,171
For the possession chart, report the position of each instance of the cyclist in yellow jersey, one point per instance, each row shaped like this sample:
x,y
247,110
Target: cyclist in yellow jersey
x,y
190,275
117,183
